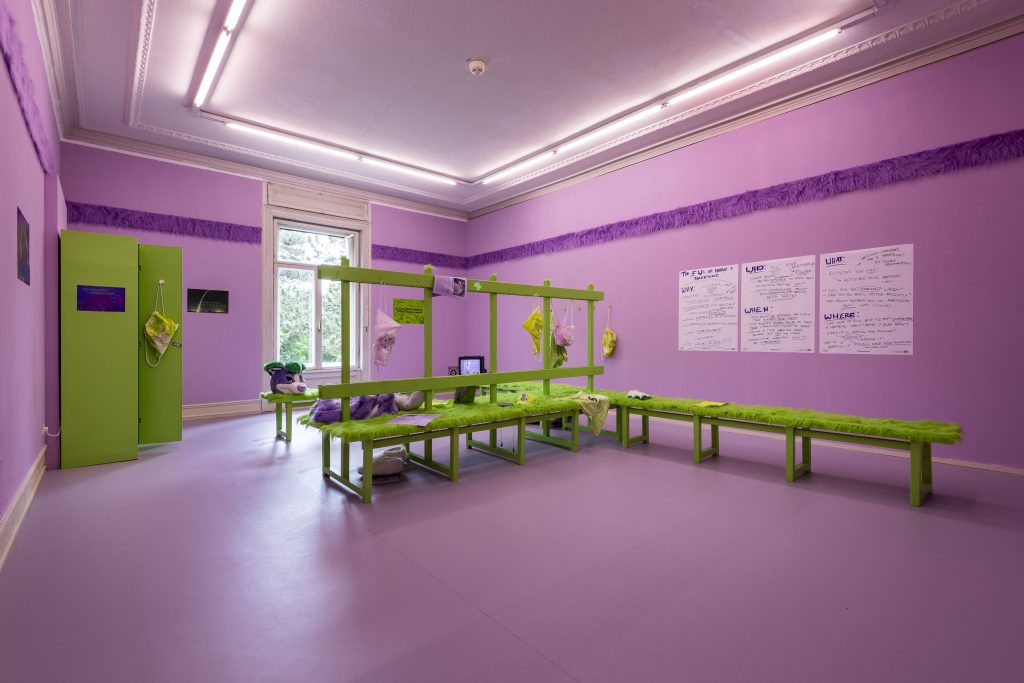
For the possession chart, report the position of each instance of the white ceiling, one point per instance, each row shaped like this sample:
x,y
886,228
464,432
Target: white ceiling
x,y
390,79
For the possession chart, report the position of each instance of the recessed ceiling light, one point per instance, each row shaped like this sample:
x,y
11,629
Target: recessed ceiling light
x,y
292,140
212,67
648,112
400,168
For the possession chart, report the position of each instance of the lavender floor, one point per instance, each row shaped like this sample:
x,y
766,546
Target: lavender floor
x,y
227,558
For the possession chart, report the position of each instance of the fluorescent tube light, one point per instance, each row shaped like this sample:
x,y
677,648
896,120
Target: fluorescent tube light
x,y
754,65
409,171
234,14
684,95
614,125
212,67
292,140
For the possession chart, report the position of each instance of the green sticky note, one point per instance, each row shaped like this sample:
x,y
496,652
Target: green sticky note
x,y
407,311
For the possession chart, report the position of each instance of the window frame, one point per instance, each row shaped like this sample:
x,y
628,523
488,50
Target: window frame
x,y
274,217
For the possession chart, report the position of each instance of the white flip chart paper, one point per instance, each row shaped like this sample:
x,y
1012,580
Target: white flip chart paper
x,y
708,306
778,305
866,303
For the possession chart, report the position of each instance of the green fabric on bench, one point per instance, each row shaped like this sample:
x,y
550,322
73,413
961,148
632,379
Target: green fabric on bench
x,y
452,415
912,430
310,395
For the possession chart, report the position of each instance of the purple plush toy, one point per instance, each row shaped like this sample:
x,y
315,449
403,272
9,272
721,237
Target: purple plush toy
x,y
286,378
327,410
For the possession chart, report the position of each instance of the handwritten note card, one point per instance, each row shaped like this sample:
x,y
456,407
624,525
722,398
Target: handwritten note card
x,y
867,301
778,305
708,304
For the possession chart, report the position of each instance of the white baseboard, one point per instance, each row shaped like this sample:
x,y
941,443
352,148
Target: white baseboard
x,y
15,513
892,453
198,411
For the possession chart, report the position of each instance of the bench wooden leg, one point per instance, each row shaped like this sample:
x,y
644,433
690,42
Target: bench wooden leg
x,y
453,450
700,453
920,472
575,431
521,441
277,412
428,450
794,471
623,414
367,487
345,462
325,453
288,422
645,428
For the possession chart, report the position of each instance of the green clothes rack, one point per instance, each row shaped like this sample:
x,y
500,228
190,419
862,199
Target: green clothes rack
x,y
545,412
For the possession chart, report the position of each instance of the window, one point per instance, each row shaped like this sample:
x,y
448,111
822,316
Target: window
x,y
308,310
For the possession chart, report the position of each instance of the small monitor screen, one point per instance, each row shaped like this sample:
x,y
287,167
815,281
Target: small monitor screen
x,y
471,365
99,298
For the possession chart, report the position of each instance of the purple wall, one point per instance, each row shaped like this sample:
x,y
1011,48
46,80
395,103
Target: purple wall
x,y
965,229
422,232
221,353
23,185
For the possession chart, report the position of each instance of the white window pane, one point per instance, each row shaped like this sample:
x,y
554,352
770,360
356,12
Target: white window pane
x,y
303,246
295,315
331,324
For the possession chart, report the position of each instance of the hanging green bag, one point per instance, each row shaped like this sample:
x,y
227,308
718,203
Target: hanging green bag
x,y
159,329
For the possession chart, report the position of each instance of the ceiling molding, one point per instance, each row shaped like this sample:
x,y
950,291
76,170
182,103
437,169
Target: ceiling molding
x,y
846,84
54,17
90,138
137,80
60,79
888,36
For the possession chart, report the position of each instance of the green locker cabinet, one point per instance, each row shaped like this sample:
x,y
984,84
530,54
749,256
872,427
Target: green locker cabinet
x,y
159,387
99,397
111,399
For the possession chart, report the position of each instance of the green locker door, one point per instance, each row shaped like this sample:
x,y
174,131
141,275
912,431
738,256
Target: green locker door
x,y
99,311
159,387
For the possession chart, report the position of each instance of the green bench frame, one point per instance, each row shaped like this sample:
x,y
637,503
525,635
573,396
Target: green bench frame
x,y
348,275
920,451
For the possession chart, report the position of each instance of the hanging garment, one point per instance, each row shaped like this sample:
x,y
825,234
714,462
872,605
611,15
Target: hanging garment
x,y
159,329
385,331
562,338
609,339
534,325
595,407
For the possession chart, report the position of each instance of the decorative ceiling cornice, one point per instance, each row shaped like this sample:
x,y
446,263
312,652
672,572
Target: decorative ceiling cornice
x,y
137,84
61,73
880,39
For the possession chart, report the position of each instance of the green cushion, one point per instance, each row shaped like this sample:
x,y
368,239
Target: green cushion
x,y
912,430
454,415
310,395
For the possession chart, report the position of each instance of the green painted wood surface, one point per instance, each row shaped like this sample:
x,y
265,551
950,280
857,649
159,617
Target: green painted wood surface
x,y
375,276
99,351
160,387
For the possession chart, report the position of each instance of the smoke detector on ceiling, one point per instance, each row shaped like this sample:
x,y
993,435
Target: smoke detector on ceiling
x,y
477,67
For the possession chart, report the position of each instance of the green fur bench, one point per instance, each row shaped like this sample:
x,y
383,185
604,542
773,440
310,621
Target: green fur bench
x,y
452,422
285,403
915,436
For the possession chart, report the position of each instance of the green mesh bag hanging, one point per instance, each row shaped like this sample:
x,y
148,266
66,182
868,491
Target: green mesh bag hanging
x,y
159,329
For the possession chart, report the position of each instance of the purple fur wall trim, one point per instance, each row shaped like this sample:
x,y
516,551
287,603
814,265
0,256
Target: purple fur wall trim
x,y
158,222
402,255
985,151
14,57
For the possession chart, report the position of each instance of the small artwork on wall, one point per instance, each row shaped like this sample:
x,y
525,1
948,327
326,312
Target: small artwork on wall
x,y
23,243
207,301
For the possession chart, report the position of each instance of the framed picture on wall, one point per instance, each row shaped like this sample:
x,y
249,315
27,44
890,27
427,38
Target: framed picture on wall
x,y
23,255
207,301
